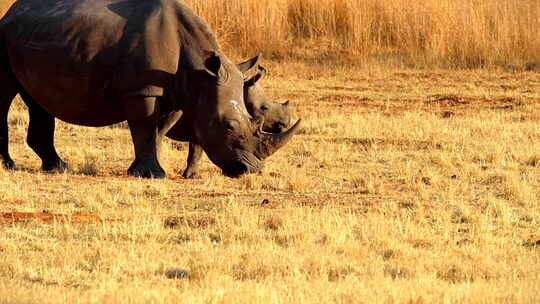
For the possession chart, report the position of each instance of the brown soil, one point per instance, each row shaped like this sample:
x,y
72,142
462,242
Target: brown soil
x,y
12,217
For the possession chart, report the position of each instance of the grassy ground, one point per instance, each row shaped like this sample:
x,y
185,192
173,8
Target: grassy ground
x,y
408,186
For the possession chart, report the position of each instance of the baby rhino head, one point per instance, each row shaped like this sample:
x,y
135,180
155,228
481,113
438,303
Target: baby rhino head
x,y
276,115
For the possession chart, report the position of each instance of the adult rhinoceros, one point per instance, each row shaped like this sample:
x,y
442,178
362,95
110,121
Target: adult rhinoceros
x,y
276,115
150,62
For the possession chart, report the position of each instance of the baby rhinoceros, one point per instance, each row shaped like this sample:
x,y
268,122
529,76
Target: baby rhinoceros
x,y
275,115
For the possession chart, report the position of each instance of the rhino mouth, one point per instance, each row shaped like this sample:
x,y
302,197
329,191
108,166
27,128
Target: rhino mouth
x,y
235,169
245,163
277,127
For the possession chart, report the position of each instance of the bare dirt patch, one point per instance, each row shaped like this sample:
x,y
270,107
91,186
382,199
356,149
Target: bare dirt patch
x,y
45,217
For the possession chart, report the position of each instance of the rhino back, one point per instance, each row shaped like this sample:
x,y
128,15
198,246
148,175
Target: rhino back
x,y
93,52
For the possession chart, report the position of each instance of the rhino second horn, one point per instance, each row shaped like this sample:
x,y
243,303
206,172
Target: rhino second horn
x,y
258,124
271,142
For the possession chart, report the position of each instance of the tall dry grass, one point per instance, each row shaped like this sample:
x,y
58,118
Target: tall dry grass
x,y
449,33
4,5
467,33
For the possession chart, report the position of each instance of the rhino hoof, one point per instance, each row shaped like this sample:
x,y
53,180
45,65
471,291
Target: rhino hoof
x,y
145,172
9,164
57,166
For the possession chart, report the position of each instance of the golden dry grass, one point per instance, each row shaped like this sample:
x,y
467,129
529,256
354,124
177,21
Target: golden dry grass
x,y
405,186
442,33
445,33
408,186
4,6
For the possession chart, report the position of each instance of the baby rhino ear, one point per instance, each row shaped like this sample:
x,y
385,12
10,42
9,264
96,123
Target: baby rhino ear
x,y
249,64
261,72
212,63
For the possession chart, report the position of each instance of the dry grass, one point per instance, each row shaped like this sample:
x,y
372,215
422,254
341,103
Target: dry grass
x,y
4,6
442,33
404,186
445,33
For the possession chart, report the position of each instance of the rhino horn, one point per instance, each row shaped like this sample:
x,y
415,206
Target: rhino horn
x,y
257,124
271,142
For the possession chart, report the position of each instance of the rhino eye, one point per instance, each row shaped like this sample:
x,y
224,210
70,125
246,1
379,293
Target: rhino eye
x,y
264,108
231,125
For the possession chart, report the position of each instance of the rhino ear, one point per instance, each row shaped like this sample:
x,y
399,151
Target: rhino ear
x,y
212,63
261,72
286,103
249,64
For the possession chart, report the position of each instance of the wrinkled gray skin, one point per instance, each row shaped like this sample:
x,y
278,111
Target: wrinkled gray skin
x,y
276,115
151,62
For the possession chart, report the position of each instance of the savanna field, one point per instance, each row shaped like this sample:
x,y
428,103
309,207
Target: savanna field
x,y
415,177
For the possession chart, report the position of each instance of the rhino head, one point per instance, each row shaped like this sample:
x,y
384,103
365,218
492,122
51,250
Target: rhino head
x,y
233,139
276,115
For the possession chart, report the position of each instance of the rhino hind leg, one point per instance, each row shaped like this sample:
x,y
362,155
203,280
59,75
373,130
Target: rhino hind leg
x,y
40,136
142,115
8,90
194,157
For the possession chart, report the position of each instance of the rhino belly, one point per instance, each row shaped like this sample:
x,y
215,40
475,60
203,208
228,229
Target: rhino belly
x,y
77,98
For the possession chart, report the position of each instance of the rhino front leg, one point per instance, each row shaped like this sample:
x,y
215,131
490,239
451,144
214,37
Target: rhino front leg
x,y
194,156
40,136
142,115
